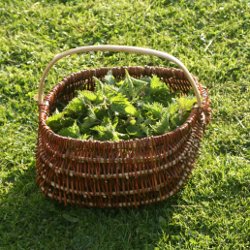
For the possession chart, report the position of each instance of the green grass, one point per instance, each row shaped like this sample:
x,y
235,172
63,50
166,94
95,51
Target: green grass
x,y
211,37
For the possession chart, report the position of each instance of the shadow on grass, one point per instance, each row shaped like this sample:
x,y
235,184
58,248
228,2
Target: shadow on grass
x,y
30,221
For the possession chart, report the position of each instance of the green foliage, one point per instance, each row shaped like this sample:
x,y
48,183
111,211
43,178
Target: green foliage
x,y
134,88
179,110
121,105
129,103
87,123
88,96
72,131
185,104
107,130
75,108
162,126
159,92
137,130
153,111
59,121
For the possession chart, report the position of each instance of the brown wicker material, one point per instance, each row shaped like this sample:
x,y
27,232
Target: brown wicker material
x,y
118,174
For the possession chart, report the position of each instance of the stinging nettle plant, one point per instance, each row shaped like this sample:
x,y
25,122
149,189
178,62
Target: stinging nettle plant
x,y
122,110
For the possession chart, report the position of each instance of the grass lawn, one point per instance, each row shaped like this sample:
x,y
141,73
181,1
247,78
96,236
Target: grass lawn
x,y
212,39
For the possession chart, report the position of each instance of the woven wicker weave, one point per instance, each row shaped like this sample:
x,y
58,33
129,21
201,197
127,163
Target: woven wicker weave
x,y
117,174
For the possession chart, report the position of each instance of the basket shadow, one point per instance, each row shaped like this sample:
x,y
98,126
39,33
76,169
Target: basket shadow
x,y
31,220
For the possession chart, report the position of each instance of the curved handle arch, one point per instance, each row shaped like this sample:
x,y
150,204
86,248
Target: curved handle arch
x,y
117,48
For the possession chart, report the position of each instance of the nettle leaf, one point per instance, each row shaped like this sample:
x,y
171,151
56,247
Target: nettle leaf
x,y
57,121
159,91
121,105
138,130
127,87
98,85
103,89
106,131
180,109
120,99
173,110
99,98
110,90
153,110
75,108
88,95
162,126
54,121
186,103
130,110
101,111
135,131
134,88
72,131
140,88
87,123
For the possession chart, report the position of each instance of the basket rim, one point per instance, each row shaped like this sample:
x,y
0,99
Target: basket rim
x,y
43,108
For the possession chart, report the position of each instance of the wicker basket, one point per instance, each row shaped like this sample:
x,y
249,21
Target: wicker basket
x,y
125,173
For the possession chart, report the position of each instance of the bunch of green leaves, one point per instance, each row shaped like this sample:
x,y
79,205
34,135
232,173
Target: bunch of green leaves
x,y
126,109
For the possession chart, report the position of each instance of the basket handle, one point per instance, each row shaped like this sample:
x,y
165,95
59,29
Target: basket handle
x,y
117,48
